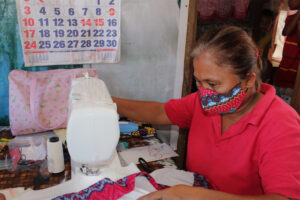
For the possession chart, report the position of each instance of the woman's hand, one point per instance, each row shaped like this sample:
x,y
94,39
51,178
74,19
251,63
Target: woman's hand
x,y
184,192
174,193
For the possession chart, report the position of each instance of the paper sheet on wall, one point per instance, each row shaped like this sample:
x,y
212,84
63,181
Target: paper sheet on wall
x,y
69,31
149,153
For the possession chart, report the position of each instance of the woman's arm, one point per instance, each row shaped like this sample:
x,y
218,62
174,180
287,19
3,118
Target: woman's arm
x,y
289,27
144,111
184,192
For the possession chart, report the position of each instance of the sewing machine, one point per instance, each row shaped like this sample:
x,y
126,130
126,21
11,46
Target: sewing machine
x,y
93,129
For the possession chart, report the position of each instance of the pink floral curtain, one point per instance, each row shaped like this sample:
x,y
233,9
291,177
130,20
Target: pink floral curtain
x,y
222,9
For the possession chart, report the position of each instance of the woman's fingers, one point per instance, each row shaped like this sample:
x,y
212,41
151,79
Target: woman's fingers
x,y
152,196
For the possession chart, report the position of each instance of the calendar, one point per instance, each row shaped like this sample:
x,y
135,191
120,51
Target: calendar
x,y
57,32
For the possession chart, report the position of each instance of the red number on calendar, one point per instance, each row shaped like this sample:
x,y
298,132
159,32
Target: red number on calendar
x,y
26,0
29,45
99,22
86,22
28,21
112,12
27,10
29,33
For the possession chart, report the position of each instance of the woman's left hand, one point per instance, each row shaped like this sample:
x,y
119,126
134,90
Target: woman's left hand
x,y
174,193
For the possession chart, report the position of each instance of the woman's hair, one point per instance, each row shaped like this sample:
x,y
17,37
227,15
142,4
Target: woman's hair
x,y
232,47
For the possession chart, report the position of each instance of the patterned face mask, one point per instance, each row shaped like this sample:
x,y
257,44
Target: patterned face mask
x,y
221,103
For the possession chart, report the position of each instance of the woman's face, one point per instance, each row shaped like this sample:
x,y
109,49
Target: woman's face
x,y
212,76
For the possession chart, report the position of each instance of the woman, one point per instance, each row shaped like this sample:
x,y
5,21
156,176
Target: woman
x,y
242,137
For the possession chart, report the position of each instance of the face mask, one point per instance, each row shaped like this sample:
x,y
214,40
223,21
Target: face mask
x,y
214,103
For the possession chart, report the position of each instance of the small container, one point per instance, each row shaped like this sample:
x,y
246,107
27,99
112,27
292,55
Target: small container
x,y
55,155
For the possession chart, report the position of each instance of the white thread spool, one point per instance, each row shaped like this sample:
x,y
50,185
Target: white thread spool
x,y
55,155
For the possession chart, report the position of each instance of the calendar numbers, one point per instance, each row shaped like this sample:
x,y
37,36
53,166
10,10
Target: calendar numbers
x,y
86,33
27,10
44,44
98,43
98,33
72,43
59,33
72,33
68,27
99,22
44,21
84,11
44,33
111,33
43,10
29,33
56,11
30,45
58,22
111,2
111,43
112,22
98,11
71,11
59,44
28,21
72,22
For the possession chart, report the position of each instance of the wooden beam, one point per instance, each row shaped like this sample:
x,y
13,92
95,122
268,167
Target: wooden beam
x,y
187,77
190,42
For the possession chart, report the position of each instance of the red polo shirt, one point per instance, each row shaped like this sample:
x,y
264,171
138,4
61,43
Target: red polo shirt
x,y
259,154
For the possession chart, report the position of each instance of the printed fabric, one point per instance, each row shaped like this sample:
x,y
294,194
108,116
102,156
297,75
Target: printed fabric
x,y
38,101
216,103
222,9
107,189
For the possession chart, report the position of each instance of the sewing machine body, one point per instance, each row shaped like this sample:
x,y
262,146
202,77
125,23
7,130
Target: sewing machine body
x,y
93,129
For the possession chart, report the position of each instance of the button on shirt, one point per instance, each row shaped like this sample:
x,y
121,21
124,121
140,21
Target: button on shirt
x,y
259,154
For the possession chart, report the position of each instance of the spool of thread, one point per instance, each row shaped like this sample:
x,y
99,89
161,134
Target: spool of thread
x,y
55,155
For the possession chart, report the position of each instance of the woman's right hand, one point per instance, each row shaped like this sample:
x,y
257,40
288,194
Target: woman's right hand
x,y
175,193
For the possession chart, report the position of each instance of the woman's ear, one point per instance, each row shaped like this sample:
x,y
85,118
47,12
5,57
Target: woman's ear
x,y
250,80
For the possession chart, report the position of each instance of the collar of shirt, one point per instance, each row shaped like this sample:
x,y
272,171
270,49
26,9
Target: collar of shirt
x,y
254,117
260,109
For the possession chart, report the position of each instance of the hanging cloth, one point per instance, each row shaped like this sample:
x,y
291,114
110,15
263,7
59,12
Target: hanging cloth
x,y
222,9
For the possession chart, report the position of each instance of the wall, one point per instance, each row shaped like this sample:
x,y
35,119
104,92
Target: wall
x,y
149,35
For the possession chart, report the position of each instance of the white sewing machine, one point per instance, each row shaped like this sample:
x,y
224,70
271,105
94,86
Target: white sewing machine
x,y
93,128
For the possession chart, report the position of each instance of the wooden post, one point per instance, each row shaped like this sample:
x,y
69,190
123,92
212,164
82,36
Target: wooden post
x,y
188,77
254,10
295,102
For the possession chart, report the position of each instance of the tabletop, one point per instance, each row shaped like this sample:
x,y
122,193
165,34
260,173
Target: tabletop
x,y
35,178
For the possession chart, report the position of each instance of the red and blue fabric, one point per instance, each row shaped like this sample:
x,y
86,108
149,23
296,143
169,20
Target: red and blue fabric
x,y
214,103
107,189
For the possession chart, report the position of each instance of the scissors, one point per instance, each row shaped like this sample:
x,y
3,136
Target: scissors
x,y
145,165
